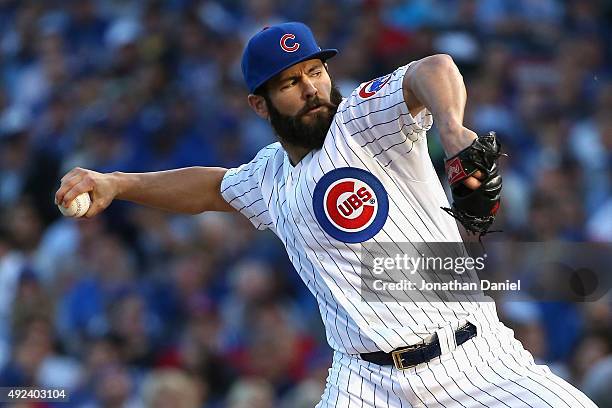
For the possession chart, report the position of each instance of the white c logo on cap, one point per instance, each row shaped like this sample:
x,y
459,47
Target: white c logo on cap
x,y
287,48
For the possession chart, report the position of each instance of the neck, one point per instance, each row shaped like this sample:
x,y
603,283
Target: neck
x,y
295,153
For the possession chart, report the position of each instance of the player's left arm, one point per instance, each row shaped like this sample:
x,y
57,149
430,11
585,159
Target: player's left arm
x,y
435,83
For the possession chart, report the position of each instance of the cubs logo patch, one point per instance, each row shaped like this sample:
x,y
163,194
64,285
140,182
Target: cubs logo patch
x,y
373,86
351,205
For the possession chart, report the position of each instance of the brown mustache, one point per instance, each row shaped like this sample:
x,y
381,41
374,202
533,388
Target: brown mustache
x,y
315,103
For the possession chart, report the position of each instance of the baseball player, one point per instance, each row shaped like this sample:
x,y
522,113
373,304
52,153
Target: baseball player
x,y
352,171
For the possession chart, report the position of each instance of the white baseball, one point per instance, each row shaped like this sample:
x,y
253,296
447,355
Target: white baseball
x,y
78,207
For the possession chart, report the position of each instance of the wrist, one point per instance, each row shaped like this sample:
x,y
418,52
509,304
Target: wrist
x,y
120,182
455,140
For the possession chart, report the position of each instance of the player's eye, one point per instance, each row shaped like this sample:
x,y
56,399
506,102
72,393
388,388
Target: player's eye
x,y
316,73
288,84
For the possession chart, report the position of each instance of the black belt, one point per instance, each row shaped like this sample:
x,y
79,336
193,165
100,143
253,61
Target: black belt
x,y
406,357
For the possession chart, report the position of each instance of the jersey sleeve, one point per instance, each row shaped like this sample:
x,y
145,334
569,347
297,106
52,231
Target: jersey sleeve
x,y
377,118
241,187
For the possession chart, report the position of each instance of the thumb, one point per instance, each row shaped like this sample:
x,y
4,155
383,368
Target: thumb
x,y
96,207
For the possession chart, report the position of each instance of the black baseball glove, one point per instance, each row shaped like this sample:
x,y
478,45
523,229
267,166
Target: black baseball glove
x,y
475,209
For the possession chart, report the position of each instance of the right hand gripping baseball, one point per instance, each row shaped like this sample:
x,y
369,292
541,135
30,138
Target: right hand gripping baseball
x,y
476,208
101,187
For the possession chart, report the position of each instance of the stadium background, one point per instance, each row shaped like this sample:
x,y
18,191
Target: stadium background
x,y
139,307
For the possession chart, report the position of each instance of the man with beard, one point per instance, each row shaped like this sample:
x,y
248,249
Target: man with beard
x,y
347,174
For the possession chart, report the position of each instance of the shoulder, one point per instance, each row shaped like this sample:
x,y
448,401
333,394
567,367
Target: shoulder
x,y
256,168
270,151
374,91
374,87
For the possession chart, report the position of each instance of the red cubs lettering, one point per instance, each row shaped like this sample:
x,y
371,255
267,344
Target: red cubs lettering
x,y
339,213
354,201
345,208
364,194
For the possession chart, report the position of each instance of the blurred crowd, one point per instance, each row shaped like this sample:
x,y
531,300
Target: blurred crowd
x,y
140,308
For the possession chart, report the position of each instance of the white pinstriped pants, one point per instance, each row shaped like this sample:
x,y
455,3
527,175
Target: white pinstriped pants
x,y
490,370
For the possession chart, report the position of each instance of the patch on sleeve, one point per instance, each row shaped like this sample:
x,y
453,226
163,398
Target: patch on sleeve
x,y
371,87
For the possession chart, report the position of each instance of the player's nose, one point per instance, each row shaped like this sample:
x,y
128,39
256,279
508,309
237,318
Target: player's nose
x,y
309,89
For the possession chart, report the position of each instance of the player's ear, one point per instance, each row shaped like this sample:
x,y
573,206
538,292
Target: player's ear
x,y
258,104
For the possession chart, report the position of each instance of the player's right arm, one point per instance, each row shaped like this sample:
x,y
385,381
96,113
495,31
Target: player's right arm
x,y
190,190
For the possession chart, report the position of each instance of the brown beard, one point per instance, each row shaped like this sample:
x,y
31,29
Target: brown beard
x,y
294,131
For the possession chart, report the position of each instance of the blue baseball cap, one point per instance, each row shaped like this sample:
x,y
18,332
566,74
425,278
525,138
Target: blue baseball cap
x,y
276,48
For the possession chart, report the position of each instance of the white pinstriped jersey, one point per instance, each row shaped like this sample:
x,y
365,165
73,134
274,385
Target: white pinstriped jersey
x,y
373,181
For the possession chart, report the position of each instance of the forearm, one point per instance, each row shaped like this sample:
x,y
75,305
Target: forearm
x,y
436,83
188,190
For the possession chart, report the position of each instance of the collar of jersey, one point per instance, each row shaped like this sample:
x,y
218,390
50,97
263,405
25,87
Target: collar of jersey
x,y
293,170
